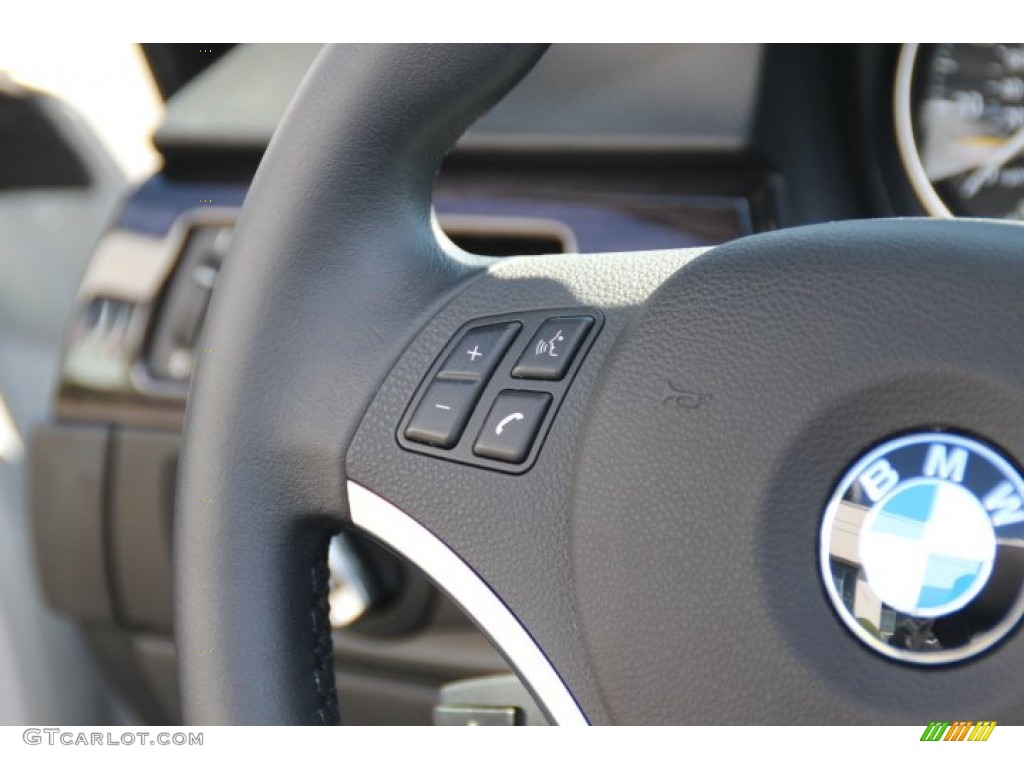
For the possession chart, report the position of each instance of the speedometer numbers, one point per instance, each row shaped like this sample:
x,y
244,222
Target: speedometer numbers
x,y
960,126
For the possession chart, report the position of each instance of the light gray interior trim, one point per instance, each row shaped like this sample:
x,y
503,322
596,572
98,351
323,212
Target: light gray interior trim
x,y
399,531
47,235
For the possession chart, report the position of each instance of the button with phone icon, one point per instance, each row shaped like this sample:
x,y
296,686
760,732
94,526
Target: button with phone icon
x,y
511,425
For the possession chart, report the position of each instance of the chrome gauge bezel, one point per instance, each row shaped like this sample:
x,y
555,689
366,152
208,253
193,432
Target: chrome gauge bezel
x,y
906,141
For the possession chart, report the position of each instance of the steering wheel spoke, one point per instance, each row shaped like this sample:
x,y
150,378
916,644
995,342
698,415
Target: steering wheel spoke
x,y
507,527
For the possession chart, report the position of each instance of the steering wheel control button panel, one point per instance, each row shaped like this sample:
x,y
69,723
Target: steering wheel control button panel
x,y
512,425
921,548
493,392
442,413
552,348
478,352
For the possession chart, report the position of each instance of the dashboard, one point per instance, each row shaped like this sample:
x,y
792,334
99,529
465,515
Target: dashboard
x,y
602,148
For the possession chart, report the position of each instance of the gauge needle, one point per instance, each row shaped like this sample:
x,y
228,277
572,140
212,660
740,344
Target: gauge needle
x,y
1008,150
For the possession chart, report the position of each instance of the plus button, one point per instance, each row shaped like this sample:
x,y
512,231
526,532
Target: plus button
x,y
477,353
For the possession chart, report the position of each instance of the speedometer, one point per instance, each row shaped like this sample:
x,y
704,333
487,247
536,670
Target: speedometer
x,y
960,127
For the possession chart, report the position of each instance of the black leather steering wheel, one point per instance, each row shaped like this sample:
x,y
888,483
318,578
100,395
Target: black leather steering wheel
x,y
655,559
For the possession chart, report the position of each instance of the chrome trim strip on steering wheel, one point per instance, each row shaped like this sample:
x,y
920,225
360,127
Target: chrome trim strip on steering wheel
x,y
400,532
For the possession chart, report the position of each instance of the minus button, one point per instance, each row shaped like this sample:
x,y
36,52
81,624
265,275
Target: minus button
x,y
442,413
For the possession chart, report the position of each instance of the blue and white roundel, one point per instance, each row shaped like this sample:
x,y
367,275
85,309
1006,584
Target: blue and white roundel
x,y
927,547
922,547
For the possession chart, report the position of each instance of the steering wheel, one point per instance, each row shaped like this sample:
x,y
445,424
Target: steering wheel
x,y
653,555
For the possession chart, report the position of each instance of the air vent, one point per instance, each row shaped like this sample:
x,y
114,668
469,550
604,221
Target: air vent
x,y
508,235
179,315
182,309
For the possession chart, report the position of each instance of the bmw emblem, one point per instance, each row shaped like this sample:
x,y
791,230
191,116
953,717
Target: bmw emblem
x,y
922,547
